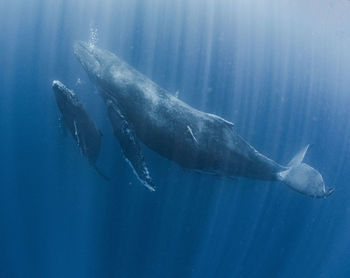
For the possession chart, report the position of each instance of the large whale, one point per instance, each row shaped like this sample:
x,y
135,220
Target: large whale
x,y
140,110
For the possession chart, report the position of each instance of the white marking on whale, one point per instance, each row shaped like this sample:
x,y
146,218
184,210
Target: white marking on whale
x,y
190,131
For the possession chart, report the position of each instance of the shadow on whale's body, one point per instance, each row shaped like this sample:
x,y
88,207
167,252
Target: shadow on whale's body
x,y
141,111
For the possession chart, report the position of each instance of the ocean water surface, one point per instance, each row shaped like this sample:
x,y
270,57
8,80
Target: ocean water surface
x,y
279,70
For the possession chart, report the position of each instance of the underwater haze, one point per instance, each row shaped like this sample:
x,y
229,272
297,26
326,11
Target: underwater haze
x,y
278,69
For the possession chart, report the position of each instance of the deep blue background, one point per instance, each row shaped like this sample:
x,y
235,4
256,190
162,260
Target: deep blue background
x,y
279,70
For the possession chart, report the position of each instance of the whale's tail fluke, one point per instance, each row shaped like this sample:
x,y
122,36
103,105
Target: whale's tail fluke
x,y
303,178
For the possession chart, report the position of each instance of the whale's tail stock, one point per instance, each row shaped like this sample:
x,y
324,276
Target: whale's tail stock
x,y
303,178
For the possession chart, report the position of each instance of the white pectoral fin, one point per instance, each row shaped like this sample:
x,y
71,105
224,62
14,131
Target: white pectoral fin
x,y
130,146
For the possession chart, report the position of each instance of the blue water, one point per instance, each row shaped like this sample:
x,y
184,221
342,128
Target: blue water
x,y
279,70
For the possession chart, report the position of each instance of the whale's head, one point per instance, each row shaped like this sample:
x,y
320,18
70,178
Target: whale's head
x,y
66,99
102,66
90,58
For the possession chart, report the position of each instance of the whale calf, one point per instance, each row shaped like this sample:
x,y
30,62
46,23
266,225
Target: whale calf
x,y
142,111
77,120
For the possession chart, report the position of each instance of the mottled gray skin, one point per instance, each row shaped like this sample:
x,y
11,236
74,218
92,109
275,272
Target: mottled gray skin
x,y
194,139
141,110
77,120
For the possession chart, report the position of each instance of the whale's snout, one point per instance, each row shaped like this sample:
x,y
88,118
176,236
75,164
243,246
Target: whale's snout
x,y
64,96
88,57
82,49
61,90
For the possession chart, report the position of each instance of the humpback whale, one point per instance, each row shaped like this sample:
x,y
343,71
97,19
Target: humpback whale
x,y
77,120
141,111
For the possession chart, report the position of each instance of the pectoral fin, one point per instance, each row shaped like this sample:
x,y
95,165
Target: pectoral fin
x,y
131,148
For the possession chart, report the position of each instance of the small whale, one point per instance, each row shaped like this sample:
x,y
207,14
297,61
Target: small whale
x,y
140,111
78,122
